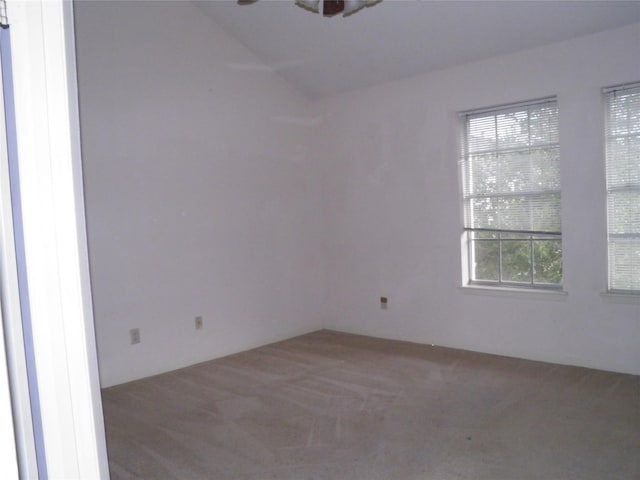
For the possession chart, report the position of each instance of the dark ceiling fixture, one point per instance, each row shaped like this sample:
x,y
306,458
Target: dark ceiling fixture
x,y
328,8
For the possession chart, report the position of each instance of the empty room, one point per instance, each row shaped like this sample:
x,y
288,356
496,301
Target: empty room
x,y
363,240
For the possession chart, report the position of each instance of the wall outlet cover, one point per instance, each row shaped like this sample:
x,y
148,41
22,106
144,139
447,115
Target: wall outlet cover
x,y
134,334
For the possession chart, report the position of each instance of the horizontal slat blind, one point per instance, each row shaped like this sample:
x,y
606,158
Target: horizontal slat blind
x,y
623,186
511,178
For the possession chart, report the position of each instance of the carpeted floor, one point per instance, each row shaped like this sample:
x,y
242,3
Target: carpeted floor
x,y
333,406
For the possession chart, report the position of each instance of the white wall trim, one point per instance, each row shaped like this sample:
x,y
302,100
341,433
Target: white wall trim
x,y
527,293
628,298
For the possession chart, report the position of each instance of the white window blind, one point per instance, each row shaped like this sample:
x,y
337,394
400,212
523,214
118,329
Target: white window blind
x,y
623,186
511,194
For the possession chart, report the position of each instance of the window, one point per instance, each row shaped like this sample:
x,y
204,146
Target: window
x,y
511,195
623,187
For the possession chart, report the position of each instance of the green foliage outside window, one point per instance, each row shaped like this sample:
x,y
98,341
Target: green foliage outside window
x,y
521,257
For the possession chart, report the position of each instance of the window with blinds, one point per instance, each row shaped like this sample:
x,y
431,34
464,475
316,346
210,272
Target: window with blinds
x,y
623,187
511,195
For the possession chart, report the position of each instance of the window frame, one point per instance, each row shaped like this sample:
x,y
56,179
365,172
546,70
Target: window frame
x,y
539,237
531,237
606,95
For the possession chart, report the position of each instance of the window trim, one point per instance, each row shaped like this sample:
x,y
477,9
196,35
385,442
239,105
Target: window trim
x,y
468,241
615,295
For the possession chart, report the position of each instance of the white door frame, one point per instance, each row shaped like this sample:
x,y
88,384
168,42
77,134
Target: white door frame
x,y
18,450
57,268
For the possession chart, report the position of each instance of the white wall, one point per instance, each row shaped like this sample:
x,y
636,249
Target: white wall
x,y
200,197
393,209
211,190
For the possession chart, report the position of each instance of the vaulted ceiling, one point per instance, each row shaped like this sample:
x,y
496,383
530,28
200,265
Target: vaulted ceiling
x,y
397,38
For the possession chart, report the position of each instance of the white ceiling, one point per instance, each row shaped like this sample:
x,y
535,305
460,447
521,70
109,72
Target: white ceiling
x,y
397,38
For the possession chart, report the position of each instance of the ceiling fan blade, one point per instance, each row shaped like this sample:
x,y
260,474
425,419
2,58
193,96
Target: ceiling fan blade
x,y
311,5
352,6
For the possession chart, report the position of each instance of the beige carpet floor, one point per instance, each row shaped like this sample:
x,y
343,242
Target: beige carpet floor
x,y
333,406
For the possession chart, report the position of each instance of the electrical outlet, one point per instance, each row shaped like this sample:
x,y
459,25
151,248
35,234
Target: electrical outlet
x,y
134,333
383,303
198,322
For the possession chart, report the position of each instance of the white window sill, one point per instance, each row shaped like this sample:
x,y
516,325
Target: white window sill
x,y
629,298
512,292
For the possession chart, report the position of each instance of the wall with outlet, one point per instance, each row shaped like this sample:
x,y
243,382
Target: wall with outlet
x,y
200,197
398,162
220,218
